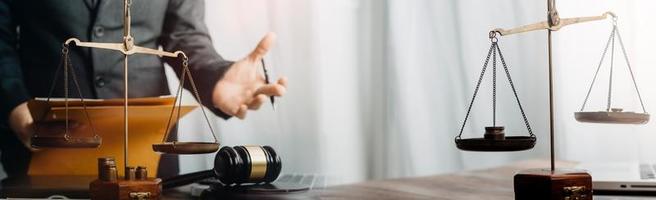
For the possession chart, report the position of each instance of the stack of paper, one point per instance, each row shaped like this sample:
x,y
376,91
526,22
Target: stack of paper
x,y
147,123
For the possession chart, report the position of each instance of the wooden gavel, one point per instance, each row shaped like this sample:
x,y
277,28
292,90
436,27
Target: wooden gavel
x,y
236,165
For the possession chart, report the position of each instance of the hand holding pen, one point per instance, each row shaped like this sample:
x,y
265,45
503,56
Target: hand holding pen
x,y
243,87
266,80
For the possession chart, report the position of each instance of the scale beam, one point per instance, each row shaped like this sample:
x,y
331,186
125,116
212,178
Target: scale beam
x,y
559,23
122,48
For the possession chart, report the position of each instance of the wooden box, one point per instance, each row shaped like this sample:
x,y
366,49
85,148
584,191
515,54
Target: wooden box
x,y
562,184
126,190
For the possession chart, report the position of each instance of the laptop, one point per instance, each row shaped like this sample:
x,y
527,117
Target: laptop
x,y
622,177
287,186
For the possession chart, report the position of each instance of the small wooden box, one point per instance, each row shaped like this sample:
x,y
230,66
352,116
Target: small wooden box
x,y
562,184
126,190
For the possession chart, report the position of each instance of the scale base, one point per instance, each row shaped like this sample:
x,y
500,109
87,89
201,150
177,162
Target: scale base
x,y
571,184
126,189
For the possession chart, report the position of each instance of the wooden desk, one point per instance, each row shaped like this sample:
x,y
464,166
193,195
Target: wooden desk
x,y
495,183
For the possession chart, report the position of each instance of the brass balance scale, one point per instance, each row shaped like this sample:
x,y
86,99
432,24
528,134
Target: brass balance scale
x,y
151,187
551,183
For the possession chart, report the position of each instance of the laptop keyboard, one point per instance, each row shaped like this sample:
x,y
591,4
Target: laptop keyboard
x,y
647,171
313,180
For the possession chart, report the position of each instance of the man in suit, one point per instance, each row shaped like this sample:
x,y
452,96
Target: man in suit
x,y
32,33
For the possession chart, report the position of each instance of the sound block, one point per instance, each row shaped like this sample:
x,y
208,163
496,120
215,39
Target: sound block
x,y
542,184
126,189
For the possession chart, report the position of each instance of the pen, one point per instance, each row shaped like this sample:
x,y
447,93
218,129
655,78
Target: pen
x,y
266,80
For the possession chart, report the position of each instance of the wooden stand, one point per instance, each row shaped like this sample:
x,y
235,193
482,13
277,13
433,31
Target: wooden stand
x,y
568,184
150,188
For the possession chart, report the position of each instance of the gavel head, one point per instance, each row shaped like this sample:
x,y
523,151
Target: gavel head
x,y
247,164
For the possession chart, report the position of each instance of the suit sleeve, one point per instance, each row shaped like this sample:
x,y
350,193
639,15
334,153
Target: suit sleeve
x,y
12,88
184,29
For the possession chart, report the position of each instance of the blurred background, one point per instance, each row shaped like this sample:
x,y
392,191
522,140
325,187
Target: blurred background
x,y
379,88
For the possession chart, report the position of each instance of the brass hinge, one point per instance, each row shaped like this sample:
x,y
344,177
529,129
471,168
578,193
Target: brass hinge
x,y
575,192
139,195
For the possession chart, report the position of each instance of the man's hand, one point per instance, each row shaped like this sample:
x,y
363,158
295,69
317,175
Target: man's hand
x,y
21,122
23,125
243,86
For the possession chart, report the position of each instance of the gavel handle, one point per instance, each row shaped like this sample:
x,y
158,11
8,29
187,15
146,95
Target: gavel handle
x,y
185,179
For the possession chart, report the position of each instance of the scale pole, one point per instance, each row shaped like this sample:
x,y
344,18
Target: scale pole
x,y
125,112
551,106
553,20
127,43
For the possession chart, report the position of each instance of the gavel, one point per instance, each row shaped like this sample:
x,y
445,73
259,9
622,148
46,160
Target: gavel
x,y
235,165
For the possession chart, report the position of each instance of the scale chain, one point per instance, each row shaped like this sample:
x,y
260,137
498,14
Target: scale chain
x,y
628,64
494,88
594,78
493,49
512,85
185,64
79,92
611,42
64,53
67,64
612,62
478,85
178,99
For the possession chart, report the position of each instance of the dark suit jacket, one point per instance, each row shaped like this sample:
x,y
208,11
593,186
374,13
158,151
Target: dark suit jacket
x,y
32,33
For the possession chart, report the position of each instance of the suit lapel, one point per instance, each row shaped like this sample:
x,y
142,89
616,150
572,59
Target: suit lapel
x,y
91,4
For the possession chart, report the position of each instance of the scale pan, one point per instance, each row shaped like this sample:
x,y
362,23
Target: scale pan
x,y
510,143
186,147
612,117
66,142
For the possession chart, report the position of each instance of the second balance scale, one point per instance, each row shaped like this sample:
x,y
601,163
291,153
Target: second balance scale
x,y
548,183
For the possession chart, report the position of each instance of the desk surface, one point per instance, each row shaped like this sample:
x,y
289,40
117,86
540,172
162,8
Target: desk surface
x,y
495,183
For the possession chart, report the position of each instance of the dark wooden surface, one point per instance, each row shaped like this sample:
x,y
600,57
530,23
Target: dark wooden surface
x,y
495,183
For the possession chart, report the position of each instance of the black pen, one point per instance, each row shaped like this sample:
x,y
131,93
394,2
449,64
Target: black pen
x,y
266,80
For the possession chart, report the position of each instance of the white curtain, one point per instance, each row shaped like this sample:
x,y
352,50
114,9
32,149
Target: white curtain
x,y
379,88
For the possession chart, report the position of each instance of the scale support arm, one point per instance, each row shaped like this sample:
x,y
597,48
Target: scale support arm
x,y
544,25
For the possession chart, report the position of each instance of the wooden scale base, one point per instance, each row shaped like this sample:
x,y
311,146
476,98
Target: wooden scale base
x,y
134,185
150,188
562,184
